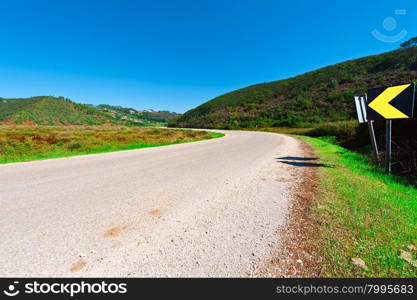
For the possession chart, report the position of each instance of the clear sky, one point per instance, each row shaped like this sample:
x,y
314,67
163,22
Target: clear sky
x,y
175,55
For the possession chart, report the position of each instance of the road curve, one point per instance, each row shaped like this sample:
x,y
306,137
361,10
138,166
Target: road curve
x,y
203,209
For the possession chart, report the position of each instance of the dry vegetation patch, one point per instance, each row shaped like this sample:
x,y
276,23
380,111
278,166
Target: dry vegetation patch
x,y
23,143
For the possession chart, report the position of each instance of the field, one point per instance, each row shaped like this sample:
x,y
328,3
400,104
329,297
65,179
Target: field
x,y
25,143
363,213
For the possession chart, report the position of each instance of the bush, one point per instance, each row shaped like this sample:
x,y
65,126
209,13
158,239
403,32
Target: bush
x,y
74,145
344,130
153,131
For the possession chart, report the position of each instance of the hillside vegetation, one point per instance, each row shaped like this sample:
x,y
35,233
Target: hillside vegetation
x,y
140,116
324,95
48,110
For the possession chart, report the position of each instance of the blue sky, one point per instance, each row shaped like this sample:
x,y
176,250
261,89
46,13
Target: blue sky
x,y
175,55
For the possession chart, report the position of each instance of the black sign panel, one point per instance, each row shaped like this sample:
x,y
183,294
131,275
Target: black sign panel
x,y
391,102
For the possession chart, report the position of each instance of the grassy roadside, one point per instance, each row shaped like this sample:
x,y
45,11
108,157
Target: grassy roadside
x,y
26,143
363,213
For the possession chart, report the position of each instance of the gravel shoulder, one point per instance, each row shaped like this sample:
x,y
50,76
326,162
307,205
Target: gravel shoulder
x,y
298,252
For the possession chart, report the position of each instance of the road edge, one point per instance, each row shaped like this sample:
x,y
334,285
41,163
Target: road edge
x,y
298,252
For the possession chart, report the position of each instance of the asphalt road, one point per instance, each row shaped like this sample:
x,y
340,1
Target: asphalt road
x,y
209,208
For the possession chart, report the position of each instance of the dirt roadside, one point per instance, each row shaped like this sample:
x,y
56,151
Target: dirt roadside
x,y
297,255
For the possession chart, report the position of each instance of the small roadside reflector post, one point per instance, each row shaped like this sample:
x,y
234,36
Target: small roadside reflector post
x,y
361,109
360,103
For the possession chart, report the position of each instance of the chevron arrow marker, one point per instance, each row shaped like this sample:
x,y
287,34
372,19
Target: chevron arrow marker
x,y
381,104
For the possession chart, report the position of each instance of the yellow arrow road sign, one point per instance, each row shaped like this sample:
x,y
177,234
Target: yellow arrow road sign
x,y
381,104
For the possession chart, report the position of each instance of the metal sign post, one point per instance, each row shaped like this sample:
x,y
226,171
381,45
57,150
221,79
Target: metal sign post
x,y
373,141
388,140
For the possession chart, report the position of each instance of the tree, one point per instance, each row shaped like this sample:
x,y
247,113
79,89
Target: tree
x,y
410,43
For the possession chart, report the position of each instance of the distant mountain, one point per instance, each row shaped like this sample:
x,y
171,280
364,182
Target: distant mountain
x,y
320,96
48,110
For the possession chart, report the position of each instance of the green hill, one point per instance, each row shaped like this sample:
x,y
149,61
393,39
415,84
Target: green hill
x,y
324,95
47,110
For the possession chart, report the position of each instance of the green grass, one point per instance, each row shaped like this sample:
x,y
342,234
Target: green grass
x,y
363,213
26,143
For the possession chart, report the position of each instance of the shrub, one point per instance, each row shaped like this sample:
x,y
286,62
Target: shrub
x,y
74,145
153,131
192,134
344,130
9,150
